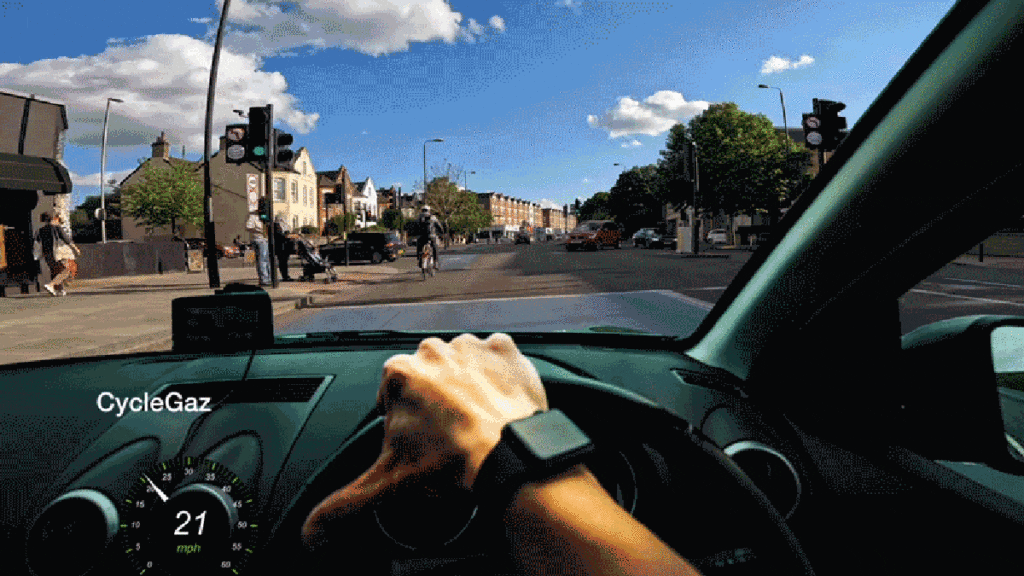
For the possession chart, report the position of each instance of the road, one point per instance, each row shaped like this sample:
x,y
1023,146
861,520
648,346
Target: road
x,y
960,289
537,287
525,287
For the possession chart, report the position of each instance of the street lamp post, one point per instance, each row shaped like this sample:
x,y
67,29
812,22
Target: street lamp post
x,y
785,127
103,169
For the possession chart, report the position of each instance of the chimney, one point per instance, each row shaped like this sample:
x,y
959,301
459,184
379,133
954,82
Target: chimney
x,y
161,148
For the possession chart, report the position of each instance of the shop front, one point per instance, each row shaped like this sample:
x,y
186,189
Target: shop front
x,y
27,187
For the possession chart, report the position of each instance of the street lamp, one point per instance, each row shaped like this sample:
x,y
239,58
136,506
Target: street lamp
x,y
425,164
783,101
785,126
103,169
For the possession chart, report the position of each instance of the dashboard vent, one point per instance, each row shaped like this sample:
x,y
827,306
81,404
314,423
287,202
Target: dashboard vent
x,y
262,390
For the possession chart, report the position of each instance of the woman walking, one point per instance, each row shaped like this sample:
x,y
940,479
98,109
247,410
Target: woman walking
x,y
57,250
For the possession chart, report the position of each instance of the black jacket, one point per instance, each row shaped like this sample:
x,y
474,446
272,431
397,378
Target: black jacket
x,y
48,235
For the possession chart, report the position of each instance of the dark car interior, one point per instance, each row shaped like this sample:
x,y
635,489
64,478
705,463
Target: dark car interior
x,y
796,432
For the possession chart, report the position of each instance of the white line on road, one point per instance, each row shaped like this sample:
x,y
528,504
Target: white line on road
x,y
983,282
707,288
687,299
694,301
988,300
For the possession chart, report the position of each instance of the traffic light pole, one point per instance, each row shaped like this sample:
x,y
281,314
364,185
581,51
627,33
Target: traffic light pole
x,y
268,186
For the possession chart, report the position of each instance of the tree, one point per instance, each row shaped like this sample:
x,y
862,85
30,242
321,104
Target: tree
x,y
445,199
470,216
339,224
744,164
85,228
392,219
633,200
166,197
595,208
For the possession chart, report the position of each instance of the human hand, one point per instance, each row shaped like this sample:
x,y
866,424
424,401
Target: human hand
x,y
445,407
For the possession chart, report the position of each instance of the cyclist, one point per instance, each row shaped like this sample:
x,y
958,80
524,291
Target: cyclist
x,y
427,224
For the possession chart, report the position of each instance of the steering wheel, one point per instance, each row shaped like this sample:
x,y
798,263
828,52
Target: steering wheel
x,y
725,521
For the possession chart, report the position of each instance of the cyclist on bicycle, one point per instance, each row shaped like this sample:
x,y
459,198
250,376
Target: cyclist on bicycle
x,y
428,223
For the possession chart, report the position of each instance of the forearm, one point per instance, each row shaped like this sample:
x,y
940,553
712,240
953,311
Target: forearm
x,y
570,525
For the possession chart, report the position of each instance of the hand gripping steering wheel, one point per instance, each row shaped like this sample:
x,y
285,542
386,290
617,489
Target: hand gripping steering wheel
x,y
704,506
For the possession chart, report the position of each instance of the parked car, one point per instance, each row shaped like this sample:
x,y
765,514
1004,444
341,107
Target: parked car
x,y
717,236
523,238
594,234
373,246
648,238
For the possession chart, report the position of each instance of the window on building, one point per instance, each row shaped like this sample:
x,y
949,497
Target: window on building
x,y
279,190
295,192
295,223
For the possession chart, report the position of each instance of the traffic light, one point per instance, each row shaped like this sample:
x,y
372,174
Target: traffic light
x,y
833,126
282,155
237,140
259,123
261,207
812,129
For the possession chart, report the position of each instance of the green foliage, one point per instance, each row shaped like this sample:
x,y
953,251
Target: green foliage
x,y
392,219
85,228
166,197
308,230
744,164
595,208
340,224
471,217
633,200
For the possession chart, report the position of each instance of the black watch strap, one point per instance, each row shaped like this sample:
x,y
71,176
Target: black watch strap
x,y
534,448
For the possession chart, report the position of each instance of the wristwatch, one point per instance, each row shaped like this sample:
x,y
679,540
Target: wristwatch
x,y
534,448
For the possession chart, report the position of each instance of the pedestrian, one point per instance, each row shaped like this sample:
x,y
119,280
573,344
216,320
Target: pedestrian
x,y
260,245
59,252
282,247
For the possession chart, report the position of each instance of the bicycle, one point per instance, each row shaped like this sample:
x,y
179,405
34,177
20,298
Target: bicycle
x,y
426,261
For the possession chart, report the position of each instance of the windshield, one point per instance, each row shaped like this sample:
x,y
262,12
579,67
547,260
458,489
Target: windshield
x,y
511,121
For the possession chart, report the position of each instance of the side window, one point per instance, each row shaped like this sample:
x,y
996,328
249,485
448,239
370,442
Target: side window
x,y
295,192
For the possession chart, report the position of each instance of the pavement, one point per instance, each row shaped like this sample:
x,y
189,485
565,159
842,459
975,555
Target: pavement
x,y
125,314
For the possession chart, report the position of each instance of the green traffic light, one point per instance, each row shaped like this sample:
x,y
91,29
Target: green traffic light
x,y
259,151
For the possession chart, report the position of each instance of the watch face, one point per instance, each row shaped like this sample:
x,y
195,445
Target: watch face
x,y
549,435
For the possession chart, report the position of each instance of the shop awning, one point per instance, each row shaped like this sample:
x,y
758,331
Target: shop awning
x,y
19,172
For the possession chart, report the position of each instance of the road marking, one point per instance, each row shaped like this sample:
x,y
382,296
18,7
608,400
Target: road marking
x,y
684,298
707,288
987,300
694,301
983,282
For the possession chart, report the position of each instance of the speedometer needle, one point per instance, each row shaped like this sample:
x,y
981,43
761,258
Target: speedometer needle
x,y
159,492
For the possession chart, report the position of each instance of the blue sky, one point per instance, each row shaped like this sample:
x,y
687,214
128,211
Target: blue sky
x,y
540,99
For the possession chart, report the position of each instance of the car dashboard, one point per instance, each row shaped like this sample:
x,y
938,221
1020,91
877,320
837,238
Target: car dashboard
x,y
182,463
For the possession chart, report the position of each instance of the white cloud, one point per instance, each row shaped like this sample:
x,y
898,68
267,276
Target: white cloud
x,y
632,144
545,203
654,116
94,179
201,20
163,82
567,3
777,64
374,27
585,180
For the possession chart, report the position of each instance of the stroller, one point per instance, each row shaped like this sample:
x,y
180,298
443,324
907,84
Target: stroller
x,y
313,262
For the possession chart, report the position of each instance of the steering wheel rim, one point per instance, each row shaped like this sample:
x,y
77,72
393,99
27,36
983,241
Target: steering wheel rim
x,y
776,548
